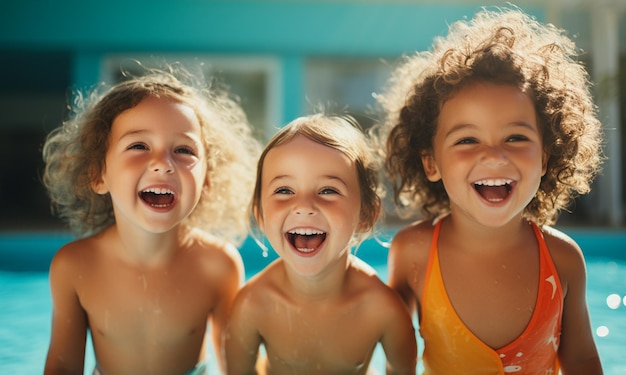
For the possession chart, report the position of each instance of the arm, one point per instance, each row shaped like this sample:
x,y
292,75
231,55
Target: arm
x,y
402,265
399,342
577,349
242,339
230,284
66,354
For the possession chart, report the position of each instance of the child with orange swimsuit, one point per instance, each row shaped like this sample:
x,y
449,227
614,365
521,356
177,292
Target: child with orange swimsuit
x,y
489,135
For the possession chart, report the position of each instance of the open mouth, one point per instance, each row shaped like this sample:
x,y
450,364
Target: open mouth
x,y
495,190
158,198
306,240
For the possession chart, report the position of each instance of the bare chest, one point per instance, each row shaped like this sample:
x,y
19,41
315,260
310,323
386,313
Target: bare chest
x,y
495,299
130,307
319,341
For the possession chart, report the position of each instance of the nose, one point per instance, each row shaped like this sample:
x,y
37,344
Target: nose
x,y
494,156
162,164
305,207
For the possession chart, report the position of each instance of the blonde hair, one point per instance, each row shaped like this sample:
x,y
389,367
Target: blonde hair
x,y
74,153
503,46
341,133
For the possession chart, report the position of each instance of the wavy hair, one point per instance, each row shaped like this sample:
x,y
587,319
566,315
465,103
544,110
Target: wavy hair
x,y
503,46
74,153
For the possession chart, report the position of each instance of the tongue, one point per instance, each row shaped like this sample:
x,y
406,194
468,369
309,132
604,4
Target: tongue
x,y
308,242
493,193
157,199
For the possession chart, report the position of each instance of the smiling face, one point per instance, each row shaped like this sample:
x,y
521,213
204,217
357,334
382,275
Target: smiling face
x,y
311,202
155,165
488,152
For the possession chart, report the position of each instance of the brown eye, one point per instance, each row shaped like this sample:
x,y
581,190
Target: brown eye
x,y
517,138
466,141
137,146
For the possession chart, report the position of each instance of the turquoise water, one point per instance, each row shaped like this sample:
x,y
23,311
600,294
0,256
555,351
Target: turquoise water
x,y
25,306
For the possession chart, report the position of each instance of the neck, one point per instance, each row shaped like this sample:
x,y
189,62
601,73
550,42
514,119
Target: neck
x,y
145,248
472,236
325,285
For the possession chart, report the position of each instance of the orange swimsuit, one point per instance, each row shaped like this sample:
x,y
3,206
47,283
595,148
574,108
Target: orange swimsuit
x,y
451,348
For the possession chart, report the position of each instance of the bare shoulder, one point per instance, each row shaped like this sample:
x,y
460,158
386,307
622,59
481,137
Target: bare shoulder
x,y
210,245
359,266
561,245
261,288
566,254
365,283
368,289
72,261
412,243
75,255
220,256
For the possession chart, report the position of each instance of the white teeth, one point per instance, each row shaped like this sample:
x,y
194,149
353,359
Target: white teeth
x,y
305,232
496,182
158,191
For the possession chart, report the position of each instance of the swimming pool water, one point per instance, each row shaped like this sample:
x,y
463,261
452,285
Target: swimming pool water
x,y
25,307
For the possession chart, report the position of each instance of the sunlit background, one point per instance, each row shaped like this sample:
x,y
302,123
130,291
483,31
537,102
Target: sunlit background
x,y
282,58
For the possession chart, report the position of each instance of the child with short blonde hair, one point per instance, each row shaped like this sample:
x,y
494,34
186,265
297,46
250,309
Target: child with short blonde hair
x,y
317,309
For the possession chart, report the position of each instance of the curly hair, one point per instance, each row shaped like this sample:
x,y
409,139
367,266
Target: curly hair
x,y
74,153
503,46
341,133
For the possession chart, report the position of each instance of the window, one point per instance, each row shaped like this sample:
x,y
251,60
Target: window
x,y
254,80
345,85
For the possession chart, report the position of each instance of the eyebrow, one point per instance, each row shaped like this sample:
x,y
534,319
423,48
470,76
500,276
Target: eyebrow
x,y
192,138
130,133
515,124
324,177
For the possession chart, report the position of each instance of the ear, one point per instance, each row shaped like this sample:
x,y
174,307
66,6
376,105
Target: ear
x,y
98,185
544,163
430,167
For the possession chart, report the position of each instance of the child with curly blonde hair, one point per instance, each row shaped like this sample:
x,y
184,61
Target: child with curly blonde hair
x,y
489,135
153,175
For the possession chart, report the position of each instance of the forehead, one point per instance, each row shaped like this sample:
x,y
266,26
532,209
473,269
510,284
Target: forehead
x,y
301,155
159,113
488,103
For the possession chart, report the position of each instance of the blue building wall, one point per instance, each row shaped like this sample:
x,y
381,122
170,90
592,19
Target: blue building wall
x,y
289,30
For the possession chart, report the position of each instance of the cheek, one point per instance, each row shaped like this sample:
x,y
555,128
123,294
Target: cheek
x,y
448,170
535,161
348,217
199,173
270,214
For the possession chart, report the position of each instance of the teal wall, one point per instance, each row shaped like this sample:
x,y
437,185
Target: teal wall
x,y
290,30
320,27
50,47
